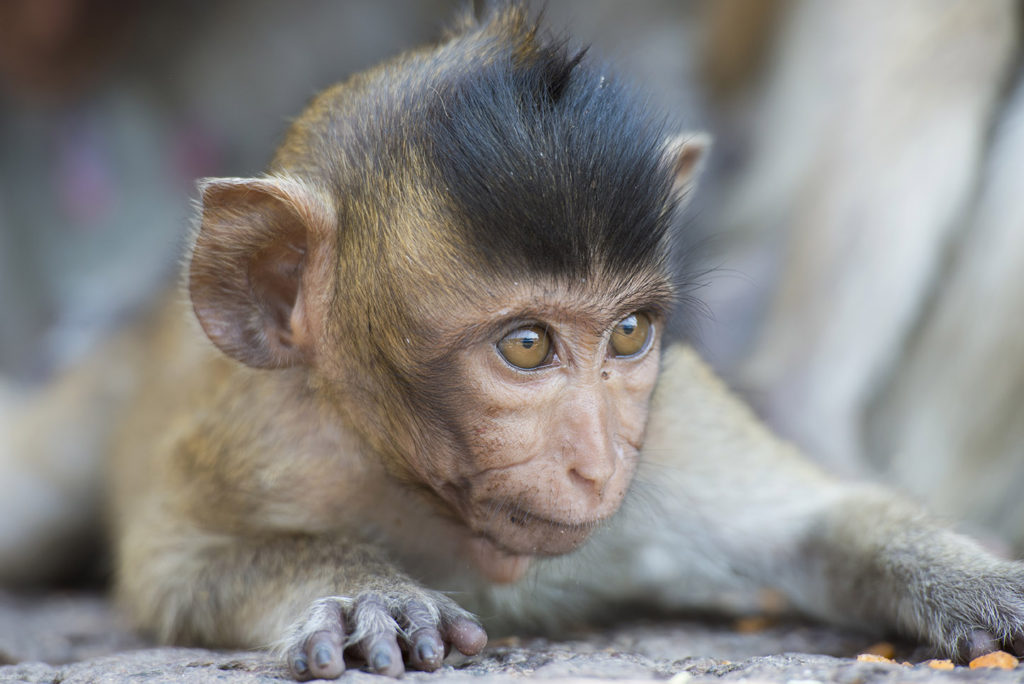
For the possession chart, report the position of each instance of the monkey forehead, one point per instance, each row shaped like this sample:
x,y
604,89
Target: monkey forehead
x,y
587,306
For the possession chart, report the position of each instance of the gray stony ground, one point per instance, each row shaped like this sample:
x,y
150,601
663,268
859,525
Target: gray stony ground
x,y
72,639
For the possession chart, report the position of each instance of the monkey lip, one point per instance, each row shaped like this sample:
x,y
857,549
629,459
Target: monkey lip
x,y
528,534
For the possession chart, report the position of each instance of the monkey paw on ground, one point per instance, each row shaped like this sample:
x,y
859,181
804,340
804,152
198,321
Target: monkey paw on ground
x,y
388,630
975,615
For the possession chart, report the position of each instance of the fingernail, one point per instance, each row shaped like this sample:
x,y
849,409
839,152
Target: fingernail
x,y
980,642
300,665
322,656
381,659
425,651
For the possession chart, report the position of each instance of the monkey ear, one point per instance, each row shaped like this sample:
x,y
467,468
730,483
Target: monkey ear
x,y
246,268
685,154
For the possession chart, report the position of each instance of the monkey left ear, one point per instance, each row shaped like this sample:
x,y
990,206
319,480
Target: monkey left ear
x,y
685,154
245,277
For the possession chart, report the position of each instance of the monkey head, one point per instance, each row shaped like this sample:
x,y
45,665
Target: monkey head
x,y
467,252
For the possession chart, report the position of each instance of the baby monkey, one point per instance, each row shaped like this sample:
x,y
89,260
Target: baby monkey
x,y
439,383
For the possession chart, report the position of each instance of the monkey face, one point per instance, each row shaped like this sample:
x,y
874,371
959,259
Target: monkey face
x,y
551,417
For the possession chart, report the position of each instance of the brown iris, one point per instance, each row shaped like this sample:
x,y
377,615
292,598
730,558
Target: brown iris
x,y
526,348
630,335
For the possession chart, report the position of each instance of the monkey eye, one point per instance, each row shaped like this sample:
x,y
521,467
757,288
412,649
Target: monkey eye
x,y
631,335
526,348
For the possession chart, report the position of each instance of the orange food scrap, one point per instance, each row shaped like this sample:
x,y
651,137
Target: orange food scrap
x,y
882,648
940,664
752,624
874,658
997,659
509,641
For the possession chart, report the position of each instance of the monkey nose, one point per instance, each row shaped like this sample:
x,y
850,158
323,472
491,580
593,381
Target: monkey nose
x,y
590,469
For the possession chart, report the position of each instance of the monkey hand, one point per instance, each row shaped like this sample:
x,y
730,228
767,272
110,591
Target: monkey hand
x,y
968,614
882,561
378,627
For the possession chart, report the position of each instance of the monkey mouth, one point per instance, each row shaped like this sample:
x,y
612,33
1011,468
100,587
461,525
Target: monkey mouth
x,y
522,532
527,519
516,530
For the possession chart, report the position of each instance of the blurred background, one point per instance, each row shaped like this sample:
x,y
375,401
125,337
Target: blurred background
x,y
865,194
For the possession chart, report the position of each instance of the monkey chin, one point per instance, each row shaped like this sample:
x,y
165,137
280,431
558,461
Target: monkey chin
x,y
497,565
504,553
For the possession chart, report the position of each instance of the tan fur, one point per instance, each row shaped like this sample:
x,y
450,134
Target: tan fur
x,y
360,450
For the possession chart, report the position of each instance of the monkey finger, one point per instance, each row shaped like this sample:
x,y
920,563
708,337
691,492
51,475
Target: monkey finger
x,y
426,650
325,654
465,634
382,654
317,643
375,632
976,644
298,665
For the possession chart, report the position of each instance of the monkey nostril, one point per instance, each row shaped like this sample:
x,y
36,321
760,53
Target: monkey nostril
x,y
590,464
591,483
577,478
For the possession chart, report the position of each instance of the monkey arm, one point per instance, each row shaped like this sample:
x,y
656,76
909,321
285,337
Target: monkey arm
x,y
872,558
849,553
312,597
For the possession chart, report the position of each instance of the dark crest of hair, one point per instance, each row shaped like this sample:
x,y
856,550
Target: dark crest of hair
x,y
546,163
